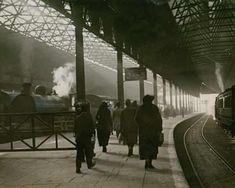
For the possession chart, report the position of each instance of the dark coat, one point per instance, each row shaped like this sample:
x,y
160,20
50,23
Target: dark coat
x,y
149,121
129,128
104,126
84,127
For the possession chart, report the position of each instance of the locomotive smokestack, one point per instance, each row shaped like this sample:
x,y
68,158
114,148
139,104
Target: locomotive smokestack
x,y
26,88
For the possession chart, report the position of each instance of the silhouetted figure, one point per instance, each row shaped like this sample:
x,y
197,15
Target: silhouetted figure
x,y
116,118
134,105
23,102
149,121
167,112
84,129
104,125
129,127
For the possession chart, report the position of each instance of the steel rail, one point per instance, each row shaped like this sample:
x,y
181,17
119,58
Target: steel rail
x,y
216,153
187,152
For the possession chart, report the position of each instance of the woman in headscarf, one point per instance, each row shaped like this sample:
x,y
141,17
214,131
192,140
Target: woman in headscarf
x,y
104,125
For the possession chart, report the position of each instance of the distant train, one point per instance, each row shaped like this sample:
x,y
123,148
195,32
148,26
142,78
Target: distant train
x,y
50,113
225,110
47,103
9,103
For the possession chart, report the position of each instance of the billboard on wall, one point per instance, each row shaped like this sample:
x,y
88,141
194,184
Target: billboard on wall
x,y
135,73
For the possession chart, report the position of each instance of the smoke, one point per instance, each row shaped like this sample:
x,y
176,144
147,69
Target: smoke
x,y
26,60
218,73
64,78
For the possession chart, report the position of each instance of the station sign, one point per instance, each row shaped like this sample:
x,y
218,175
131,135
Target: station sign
x,y
135,73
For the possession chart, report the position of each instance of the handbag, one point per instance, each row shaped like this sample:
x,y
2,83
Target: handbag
x,y
160,139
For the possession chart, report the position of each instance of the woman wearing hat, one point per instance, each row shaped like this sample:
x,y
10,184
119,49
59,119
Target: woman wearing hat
x,y
149,122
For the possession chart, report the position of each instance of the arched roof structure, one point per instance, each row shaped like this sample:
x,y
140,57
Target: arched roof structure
x,y
187,41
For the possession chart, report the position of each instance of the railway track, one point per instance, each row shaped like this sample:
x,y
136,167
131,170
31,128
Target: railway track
x,y
203,165
216,153
188,153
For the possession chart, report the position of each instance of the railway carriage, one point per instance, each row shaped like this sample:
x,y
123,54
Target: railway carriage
x,y
225,110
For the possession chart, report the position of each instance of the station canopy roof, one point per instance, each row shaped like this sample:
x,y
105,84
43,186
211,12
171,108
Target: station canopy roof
x,y
188,42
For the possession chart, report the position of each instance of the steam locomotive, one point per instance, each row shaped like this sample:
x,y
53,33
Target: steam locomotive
x,y
225,110
39,113
47,103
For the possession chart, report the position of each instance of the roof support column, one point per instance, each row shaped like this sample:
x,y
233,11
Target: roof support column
x,y
188,98
183,102
186,101
199,104
155,90
141,85
80,67
176,98
194,104
164,93
191,103
180,101
171,99
120,85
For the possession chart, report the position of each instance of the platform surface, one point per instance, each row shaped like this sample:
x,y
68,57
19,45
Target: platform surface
x,y
56,169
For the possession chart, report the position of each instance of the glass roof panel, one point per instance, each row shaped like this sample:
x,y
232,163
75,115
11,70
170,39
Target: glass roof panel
x,y
33,18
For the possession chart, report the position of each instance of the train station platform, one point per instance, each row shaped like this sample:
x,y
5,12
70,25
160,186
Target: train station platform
x,y
56,169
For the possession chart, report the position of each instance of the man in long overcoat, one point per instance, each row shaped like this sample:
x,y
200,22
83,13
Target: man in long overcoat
x,y
129,127
84,129
149,121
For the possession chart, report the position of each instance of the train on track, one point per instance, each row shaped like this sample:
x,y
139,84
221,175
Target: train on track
x,y
225,110
47,103
40,114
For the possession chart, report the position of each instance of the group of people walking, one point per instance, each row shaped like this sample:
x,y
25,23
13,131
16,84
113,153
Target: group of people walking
x,y
144,121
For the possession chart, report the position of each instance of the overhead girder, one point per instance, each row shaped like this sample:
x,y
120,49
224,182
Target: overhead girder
x,y
139,28
207,30
149,32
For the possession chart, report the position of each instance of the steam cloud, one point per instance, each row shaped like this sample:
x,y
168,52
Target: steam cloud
x,y
64,78
218,73
26,60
